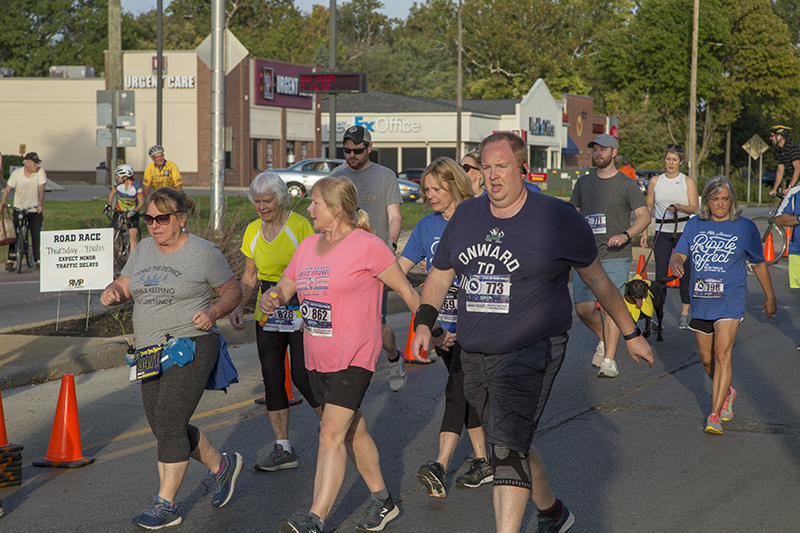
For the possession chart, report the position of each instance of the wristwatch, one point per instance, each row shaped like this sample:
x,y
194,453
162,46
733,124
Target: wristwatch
x,y
393,245
438,330
633,335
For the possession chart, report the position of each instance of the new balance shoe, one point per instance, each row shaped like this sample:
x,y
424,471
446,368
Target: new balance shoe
x,y
480,472
279,459
684,322
559,525
608,369
434,478
379,513
727,407
226,480
299,523
599,354
159,515
712,424
397,373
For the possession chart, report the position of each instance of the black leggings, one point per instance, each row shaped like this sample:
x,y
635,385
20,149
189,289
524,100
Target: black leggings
x,y
35,223
664,244
457,411
272,354
171,398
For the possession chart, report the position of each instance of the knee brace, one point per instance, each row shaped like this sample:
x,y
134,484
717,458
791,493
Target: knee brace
x,y
194,437
510,467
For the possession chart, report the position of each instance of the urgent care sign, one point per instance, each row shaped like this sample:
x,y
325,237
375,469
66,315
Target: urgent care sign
x,y
278,84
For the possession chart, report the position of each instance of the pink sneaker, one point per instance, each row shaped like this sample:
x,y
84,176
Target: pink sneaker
x,y
712,424
727,407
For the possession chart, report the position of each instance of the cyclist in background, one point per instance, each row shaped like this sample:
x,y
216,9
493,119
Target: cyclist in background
x,y
130,199
788,156
160,173
28,182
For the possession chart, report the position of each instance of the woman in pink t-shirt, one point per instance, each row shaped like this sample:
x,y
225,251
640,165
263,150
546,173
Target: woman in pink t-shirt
x,y
339,276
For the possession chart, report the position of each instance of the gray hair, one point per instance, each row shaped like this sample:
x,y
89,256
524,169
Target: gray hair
x,y
714,186
268,183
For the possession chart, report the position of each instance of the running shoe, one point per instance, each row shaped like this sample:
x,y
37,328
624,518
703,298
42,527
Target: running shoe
x,y
379,513
279,459
608,369
9,266
226,480
433,476
560,525
684,322
599,354
727,406
479,472
159,515
712,424
397,373
299,523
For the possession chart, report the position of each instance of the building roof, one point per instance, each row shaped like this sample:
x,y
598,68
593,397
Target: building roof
x,y
379,102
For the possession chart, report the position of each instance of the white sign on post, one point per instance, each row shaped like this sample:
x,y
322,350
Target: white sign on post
x,y
73,260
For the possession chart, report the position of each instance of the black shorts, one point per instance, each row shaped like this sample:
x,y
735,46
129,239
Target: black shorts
x,y
345,388
509,390
706,327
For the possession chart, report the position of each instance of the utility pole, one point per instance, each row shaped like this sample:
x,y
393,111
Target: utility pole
x,y
332,68
693,95
458,90
217,112
159,68
114,70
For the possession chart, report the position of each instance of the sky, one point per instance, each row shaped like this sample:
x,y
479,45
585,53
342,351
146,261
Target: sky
x,y
394,8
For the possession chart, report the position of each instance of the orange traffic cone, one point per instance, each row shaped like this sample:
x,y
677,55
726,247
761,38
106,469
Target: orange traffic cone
x,y
5,447
407,354
65,448
675,282
788,238
769,248
288,383
641,268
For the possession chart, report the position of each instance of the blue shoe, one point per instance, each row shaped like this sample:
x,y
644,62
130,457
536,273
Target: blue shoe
x,y
561,525
160,514
379,513
226,480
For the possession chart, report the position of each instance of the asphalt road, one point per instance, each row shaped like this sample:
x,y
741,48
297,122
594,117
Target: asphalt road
x,y
626,455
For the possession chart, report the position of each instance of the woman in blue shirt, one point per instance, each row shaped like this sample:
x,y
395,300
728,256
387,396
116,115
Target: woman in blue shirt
x,y
444,185
720,242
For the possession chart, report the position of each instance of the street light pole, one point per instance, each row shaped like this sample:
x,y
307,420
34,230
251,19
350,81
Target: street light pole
x,y
693,95
458,90
217,112
332,68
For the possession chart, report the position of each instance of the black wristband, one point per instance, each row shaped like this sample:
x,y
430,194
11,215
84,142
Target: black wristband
x,y
628,235
633,335
426,315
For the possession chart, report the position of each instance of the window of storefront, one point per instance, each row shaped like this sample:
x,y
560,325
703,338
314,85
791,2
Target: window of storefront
x,y
256,154
538,161
270,154
443,152
414,158
388,158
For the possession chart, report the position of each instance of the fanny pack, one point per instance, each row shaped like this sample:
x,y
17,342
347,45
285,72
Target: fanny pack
x,y
152,360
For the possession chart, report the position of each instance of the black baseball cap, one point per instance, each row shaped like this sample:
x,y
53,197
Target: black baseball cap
x,y
32,156
357,134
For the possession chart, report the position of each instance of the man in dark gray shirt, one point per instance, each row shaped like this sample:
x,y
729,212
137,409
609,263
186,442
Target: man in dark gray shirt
x,y
379,196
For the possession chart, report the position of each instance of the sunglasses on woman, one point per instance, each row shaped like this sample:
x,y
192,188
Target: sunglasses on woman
x,y
162,220
357,151
467,167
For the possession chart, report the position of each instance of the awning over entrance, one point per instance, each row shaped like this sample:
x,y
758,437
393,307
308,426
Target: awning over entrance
x,y
571,148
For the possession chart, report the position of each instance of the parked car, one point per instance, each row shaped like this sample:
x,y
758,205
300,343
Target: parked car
x,y
412,174
303,174
409,190
643,176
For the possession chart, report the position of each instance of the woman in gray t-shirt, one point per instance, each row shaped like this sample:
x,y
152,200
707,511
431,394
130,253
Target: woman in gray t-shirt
x,y
171,277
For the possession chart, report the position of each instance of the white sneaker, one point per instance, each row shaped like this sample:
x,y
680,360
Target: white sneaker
x,y
599,354
397,374
608,369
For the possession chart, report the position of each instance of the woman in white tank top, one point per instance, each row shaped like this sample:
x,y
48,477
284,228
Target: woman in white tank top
x,y
669,194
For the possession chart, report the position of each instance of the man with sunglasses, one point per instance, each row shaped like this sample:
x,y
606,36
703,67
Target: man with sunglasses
x,y
788,156
379,196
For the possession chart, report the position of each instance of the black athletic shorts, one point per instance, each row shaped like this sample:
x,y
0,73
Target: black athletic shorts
x,y
345,388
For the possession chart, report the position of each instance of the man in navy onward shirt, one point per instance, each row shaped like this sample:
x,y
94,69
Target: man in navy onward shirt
x,y
512,251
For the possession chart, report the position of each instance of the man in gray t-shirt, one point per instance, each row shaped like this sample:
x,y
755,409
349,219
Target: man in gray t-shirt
x,y
606,198
379,196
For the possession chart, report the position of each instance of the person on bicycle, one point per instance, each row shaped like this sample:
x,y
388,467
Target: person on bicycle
x,y
130,199
28,183
160,173
788,156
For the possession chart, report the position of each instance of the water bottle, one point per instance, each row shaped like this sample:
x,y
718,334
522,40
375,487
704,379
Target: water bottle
x,y
130,355
180,351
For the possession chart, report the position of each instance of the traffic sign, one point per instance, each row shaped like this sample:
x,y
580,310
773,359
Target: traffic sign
x,y
125,138
755,146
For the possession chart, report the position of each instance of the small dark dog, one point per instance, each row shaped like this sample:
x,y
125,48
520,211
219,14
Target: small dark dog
x,y
643,297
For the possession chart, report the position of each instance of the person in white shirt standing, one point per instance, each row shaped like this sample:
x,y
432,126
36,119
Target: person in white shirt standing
x,y
28,183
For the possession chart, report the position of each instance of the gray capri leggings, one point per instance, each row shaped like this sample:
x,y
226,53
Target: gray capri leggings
x,y
171,398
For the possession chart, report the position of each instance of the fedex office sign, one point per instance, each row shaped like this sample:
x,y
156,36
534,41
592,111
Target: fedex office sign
x,y
382,125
